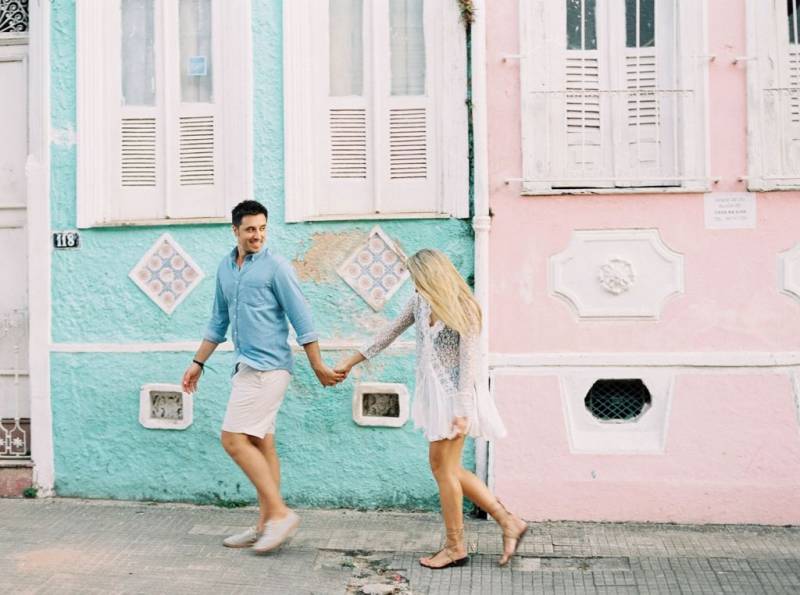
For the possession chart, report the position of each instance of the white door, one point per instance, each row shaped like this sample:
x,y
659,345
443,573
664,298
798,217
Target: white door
x,y
14,395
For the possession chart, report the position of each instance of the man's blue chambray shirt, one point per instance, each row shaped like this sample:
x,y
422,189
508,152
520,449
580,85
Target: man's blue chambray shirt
x,y
255,301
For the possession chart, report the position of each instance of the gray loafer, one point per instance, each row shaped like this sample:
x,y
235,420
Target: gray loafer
x,y
244,539
276,532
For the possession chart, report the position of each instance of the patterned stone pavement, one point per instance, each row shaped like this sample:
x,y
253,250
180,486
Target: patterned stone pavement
x,y
79,546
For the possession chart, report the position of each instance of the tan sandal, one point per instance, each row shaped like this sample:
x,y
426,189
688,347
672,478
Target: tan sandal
x,y
454,536
508,537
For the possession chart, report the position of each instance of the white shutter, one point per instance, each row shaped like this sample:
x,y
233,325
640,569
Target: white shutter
x,y
170,159
347,152
691,71
766,23
406,156
407,161
138,152
350,154
542,50
344,168
195,185
136,178
612,116
583,157
789,99
566,135
345,171
645,107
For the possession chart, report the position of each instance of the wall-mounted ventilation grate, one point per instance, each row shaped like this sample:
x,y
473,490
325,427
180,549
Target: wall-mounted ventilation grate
x,y
618,400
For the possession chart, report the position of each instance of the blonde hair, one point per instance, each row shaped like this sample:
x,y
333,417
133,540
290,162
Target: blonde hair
x,y
439,282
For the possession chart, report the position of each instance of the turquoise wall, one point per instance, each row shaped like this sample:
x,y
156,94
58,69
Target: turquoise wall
x,y
101,450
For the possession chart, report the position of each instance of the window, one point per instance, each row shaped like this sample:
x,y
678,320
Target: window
x,y
773,94
163,110
612,95
375,112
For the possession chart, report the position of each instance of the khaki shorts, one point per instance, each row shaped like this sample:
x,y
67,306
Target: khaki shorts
x,y
255,399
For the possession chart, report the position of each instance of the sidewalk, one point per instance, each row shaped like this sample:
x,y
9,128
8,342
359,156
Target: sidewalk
x,y
78,546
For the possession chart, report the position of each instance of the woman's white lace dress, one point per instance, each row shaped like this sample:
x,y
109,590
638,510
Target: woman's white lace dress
x,y
446,368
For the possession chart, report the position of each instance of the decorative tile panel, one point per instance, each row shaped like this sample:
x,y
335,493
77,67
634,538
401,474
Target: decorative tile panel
x,y
376,269
165,407
789,272
166,273
616,273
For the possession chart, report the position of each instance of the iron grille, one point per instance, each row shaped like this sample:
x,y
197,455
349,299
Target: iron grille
x,y
617,400
15,438
13,16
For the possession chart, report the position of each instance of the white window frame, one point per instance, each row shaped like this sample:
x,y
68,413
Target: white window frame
x,y
98,95
446,85
542,42
768,93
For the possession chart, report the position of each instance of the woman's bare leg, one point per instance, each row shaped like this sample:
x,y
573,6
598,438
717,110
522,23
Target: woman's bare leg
x,y
445,461
513,527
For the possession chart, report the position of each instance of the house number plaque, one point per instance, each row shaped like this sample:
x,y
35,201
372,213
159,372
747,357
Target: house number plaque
x,y
64,240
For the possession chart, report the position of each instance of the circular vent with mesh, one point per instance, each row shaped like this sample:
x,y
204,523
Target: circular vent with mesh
x,y
617,400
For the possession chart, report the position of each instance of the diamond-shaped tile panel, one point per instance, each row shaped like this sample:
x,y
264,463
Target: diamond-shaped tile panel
x,y
375,270
166,273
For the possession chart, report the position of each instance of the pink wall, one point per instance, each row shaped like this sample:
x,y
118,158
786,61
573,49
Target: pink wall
x,y
731,457
733,446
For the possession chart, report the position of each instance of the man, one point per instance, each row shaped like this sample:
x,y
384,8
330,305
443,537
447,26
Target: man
x,y
256,291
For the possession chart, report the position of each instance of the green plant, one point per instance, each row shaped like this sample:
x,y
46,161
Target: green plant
x,y
467,11
215,499
30,492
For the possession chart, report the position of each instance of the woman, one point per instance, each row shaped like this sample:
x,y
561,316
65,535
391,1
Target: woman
x,y
446,405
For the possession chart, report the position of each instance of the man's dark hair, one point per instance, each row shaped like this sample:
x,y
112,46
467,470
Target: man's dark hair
x,y
245,208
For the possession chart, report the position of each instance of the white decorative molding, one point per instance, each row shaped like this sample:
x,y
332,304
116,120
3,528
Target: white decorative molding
x,y
166,273
39,260
646,435
616,276
638,273
165,407
376,269
380,404
789,272
730,361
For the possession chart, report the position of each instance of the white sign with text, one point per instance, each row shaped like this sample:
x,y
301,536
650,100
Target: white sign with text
x,y
730,210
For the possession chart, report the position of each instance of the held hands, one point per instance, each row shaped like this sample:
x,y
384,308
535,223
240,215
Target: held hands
x,y
346,365
343,368
328,377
